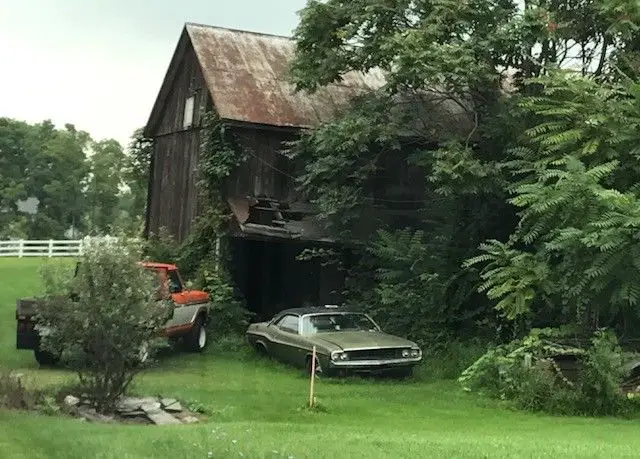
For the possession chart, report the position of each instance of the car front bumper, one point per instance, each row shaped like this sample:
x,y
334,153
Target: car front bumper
x,y
373,366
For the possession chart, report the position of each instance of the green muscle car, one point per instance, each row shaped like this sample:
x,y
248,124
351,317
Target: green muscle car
x,y
346,342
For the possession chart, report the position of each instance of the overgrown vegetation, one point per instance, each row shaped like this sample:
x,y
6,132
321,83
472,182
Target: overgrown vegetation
x,y
529,373
524,126
103,322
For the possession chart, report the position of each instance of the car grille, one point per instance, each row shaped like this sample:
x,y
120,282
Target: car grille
x,y
376,354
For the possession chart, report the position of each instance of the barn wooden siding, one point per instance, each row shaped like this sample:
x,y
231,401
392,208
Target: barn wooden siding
x,y
266,172
244,76
173,202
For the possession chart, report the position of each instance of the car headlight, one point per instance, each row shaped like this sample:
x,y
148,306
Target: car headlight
x,y
406,353
416,353
339,355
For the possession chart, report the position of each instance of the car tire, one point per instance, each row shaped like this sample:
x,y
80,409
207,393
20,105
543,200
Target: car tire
x,y
320,370
261,350
198,338
45,358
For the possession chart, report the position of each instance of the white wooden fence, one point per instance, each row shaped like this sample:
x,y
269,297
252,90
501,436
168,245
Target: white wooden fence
x,y
50,248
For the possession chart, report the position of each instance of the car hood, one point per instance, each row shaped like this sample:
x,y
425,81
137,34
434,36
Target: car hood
x,y
359,339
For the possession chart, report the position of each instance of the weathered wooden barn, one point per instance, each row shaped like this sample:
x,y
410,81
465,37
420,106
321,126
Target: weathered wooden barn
x,y
242,77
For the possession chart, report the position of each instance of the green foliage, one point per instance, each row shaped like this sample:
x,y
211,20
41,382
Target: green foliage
x,y
456,169
107,316
229,316
161,247
525,373
103,186
341,160
204,253
447,359
511,277
410,288
218,156
136,173
49,406
575,188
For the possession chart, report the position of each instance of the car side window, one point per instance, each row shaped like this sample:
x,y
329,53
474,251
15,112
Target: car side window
x,y
289,324
175,285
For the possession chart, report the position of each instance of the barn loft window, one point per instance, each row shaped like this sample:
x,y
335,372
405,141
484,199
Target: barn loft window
x,y
189,105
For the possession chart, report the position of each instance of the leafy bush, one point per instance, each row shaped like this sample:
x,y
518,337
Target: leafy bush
x,y
419,290
450,359
107,316
525,373
161,247
228,314
13,393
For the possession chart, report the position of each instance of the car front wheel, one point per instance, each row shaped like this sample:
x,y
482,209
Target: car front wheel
x,y
320,369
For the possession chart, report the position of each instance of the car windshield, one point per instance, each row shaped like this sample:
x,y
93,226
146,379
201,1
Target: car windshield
x,y
322,323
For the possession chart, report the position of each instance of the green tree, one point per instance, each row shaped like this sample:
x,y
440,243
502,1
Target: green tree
x,y
55,175
577,193
17,145
137,171
104,185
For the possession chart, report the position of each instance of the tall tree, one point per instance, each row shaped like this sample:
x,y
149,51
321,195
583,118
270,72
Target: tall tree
x,y
17,145
137,170
55,175
104,185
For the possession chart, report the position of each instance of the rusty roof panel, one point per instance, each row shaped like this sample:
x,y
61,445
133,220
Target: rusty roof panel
x,y
247,77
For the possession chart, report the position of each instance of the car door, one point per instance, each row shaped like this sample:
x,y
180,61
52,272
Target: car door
x,y
285,333
185,307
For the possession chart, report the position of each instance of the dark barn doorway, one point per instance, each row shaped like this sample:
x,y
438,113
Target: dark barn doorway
x,y
270,278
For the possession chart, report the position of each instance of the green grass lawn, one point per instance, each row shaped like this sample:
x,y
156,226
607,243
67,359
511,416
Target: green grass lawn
x,y
253,408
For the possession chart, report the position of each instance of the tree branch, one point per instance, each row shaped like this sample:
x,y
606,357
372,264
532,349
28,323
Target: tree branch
x,y
603,55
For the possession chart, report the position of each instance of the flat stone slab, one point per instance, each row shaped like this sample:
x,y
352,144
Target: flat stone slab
x,y
149,408
175,407
168,402
134,403
162,418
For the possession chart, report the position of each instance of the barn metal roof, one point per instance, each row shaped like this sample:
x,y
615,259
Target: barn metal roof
x,y
247,76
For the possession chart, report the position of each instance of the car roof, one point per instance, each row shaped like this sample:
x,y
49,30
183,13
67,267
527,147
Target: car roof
x,y
156,265
314,310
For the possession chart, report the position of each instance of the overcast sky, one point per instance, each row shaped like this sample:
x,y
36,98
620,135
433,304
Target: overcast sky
x,y
99,63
